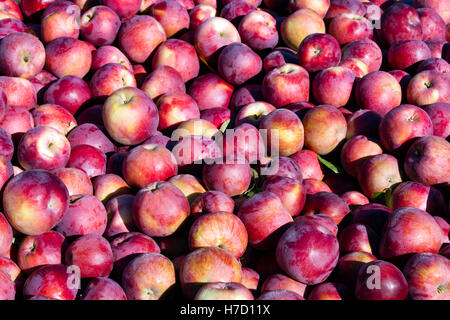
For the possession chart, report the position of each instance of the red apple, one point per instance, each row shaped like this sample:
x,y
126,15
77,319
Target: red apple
x,y
75,180
440,117
55,116
433,26
428,87
103,289
89,159
333,86
401,22
348,27
172,16
319,51
331,291
223,291
405,53
279,281
109,78
19,92
99,25
365,50
109,54
349,265
124,8
60,19
258,30
211,202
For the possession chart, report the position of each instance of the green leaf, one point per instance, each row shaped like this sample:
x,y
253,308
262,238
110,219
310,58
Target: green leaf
x,y
328,164
224,126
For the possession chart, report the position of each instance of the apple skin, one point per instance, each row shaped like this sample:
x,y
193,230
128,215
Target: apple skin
x,y
258,30
286,84
280,295
436,47
405,54
393,285
290,191
199,14
19,92
238,63
39,250
189,185
279,281
7,287
148,163
174,108
365,50
426,160
264,206
213,34
136,105
378,173
285,167
358,237
206,265
120,217
333,129
109,54
211,202
313,186
110,78
35,196
428,87
378,91
244,95
88,133
217,116
250,279
333,86
308,252
211,91
231,176
43,148
6,170
331,291
70,92
353,198
440,117
196,127
129,245
92,254
349,265
54,116
223,291
6,235
319,51
172,16
75,180
309,164
161,218
436,5
299,25
3,103
149,276
11,269
89,159
68,56
373,215
33,8
246,141
50,281
328,203
345,6
179,55
21,55
60,19
436,64
320,7
220,229
433,26
410,230
427,276
139,36
364,122
348,27
402,124
163,79
85,215
103,289
99,25
123,8
109,185
355,151
285,132
401,22
236,10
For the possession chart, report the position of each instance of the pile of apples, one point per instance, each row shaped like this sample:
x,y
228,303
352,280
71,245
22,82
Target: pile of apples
x,y
217,149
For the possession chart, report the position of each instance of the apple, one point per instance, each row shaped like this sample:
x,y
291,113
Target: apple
x,y
327,90
405,54
54,116
348,27
258,30
128,101
52,281
148,163
161,218
290,191
349,265
401,22
365,50
391,284
75,180
206,265
426,160
428,87
253,113
6,143
373,215
333,129
331,291
199,14
309,164
195,127
354,198
21,55
437,64
439,114
327,203
85,215
88,133
174,108
32,8
223,291
217,116
163,79
436,47
355,151
109,54
60,19
363,122
120,217
220,229
89,159
172,16
211,91
319,51
246,94
19,92
280,295
68,56
109,78
279,281
139,36
320,7
313,186
35,201
103,289
123,8
43,148
299,25
179,55
402,124
99,25
189,185
6,235
211,202
109,185
250,278
70,92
